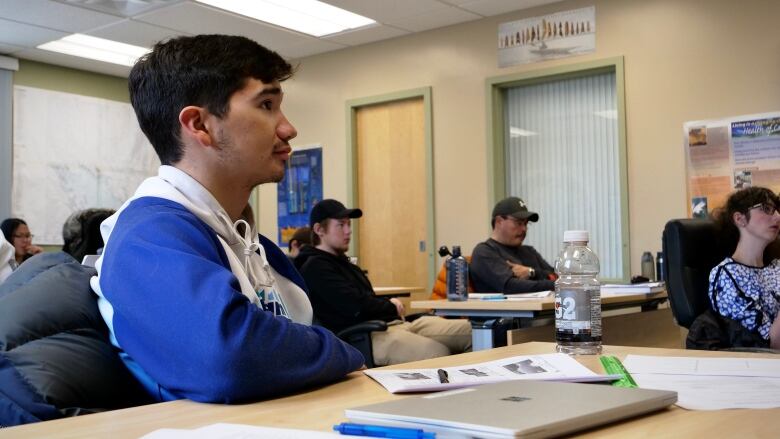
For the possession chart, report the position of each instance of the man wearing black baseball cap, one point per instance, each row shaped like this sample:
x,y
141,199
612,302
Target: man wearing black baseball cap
x,y
341,295
503,264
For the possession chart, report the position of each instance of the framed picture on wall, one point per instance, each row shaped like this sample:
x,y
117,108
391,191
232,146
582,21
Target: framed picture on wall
x,y
299,190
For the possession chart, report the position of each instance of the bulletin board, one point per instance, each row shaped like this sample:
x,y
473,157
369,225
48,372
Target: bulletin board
x,y
299,191
727,154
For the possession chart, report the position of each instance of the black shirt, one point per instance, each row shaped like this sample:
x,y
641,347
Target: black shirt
x,y
491,273
340,293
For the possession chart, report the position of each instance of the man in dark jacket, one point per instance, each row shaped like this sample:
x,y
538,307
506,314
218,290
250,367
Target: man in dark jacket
x,y
341,295
502,264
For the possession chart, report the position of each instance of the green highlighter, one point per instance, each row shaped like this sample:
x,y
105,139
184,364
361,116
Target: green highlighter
x,y
613,366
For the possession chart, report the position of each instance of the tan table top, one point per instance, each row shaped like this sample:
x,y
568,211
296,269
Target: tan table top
x,y
547,303
321,408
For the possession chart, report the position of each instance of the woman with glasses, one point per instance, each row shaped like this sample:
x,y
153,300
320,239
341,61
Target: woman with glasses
x,y
17,233
742,287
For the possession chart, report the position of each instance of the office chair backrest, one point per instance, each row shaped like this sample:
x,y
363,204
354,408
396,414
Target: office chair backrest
x,y
691,249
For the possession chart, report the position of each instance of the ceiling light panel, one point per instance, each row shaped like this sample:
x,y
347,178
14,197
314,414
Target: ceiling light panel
x,y
311,17
100,49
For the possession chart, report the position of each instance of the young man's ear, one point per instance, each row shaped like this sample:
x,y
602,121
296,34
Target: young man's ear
x,y
192,120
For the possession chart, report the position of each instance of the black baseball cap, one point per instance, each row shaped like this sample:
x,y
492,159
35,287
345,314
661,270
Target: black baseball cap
x,y
514,207
330,208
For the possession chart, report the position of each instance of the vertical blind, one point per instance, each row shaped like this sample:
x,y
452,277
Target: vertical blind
x,y
562,158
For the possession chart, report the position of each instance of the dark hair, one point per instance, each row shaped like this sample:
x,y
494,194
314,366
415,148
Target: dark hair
x,y
739,201
301,236
9,226
202,70
81,232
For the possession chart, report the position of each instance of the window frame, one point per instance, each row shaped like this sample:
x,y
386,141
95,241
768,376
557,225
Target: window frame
x,y
496,141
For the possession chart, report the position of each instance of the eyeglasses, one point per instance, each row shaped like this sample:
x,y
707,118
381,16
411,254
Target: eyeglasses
x,y
27,236
767,208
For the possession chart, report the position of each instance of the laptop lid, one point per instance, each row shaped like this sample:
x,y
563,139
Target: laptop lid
x,y
513,409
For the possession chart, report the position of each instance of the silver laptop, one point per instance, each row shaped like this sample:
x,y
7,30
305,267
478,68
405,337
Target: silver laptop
x,y
528,409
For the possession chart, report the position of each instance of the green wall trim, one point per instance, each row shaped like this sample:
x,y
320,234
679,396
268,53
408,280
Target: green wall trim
x,y
64,79
352,106
494,91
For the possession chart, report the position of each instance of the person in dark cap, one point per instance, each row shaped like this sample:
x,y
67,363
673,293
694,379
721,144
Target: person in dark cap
x,y
341,295
503,264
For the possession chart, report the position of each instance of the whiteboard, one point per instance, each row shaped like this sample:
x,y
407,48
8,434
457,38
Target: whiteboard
x,y
73,152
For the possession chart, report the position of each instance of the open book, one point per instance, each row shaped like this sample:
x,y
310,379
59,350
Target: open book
x,y
554,367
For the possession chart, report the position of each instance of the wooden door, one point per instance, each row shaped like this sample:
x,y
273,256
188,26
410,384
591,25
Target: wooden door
x,y
391,191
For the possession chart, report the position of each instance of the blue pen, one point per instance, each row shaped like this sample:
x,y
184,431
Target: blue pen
x,y
379,431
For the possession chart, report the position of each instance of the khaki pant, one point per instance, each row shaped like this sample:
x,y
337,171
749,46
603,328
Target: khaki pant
x,y
426,337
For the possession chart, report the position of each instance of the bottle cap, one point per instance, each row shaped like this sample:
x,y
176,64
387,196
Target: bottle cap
x,y
455,251
575,236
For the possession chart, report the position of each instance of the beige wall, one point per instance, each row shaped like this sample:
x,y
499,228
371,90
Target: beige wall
x,y
684,60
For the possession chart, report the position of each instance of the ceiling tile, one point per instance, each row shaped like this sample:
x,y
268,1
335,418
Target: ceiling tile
x,y
488,8
26,35
431,20
124,8
135,32
366,35
53,15
200,19
307,48
383,11
8,49
74,62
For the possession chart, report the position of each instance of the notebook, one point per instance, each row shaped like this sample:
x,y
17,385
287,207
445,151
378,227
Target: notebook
x,y
528,409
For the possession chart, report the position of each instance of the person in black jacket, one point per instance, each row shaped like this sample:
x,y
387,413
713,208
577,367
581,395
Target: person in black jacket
x,y
502,264
341,296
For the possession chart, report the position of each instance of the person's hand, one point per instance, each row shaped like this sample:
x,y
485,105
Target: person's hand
x,y
33,250
520,271
399,306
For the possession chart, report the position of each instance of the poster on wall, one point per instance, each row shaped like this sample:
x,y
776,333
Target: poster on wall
x,y
299,190
724,155
558,35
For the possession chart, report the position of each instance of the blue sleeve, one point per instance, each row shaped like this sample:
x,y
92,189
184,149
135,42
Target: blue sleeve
x,y
179,313
728,302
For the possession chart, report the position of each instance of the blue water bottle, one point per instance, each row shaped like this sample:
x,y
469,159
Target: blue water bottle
x,y
457,276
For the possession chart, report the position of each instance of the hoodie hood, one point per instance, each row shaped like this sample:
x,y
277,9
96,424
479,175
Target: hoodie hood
x,y
259,281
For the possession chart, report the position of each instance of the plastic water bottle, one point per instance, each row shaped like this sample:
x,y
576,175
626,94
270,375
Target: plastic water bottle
x,y
660,266
457,276
577,296
648,266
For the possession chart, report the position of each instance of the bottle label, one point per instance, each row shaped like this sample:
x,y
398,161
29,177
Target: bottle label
x,y
578,314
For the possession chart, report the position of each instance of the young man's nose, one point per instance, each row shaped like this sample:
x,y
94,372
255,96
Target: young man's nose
x,y
285,130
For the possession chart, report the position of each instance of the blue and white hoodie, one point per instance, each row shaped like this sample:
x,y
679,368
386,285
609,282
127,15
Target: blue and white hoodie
x,y
182,290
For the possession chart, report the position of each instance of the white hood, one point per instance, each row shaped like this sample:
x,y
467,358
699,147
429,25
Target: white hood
x,y
240,241
7,253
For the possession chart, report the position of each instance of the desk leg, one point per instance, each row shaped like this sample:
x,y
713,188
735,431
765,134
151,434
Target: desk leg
x,y
487,333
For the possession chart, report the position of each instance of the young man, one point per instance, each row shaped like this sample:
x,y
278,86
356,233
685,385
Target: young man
x,y
502,264
199,304
342,295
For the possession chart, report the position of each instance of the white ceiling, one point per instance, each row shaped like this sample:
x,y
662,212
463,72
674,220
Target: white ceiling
x,y
24,24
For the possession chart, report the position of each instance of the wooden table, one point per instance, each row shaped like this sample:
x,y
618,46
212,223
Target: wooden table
x,y
485,313
321,408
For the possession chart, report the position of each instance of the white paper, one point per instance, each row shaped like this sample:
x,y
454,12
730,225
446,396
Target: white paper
x,y
238,431
555,367
710,383
746,367
715,392
524,296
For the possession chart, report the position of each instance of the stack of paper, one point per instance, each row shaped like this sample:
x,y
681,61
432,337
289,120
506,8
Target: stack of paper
x,y
551,367
501,296
628,289
711,383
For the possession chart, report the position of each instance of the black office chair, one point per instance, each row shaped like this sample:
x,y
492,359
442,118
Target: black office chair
x,y
691,248
359,336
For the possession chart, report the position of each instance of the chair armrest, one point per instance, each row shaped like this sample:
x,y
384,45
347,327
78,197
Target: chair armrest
x,y
363,327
